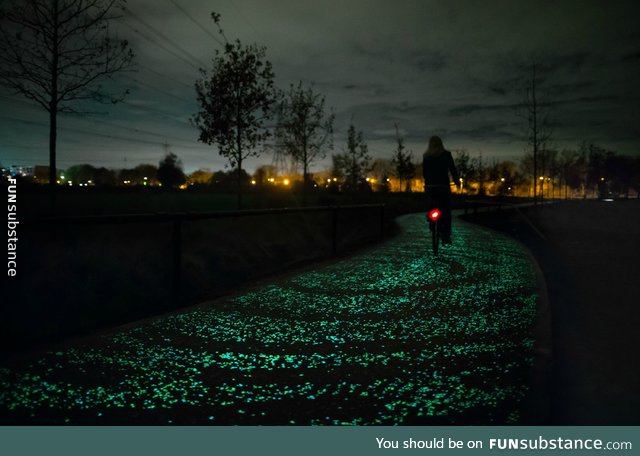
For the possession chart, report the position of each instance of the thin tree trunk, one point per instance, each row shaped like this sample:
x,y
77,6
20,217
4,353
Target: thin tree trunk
x,y
52,158
239,146
305,171
535,137
53,111
240,183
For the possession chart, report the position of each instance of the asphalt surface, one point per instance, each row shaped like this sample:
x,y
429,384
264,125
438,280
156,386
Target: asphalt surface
x,y
588,252
390,335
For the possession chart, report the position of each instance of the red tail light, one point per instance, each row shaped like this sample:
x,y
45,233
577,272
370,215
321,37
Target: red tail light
x,y
434,215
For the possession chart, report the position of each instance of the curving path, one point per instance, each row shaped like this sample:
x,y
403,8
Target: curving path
x,y
390,335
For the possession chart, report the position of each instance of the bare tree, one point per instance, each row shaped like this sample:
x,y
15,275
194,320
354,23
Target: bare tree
x,y
464,166
356,158
282,160
405,169
236,98
480,171
566,166
57,52
382,169
306,127
535,109
551,168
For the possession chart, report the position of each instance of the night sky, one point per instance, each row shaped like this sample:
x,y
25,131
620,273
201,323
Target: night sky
x,y
452,68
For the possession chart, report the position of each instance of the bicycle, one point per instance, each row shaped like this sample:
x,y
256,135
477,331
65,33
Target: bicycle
x,y
432,216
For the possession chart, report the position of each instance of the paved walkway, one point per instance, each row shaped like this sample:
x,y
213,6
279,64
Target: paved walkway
x,y
589,257
390,335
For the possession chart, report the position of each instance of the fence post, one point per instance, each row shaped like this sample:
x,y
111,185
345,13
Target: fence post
x,y
334,228
176,264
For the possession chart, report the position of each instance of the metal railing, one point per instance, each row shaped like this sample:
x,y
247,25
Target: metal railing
x,y
178,218
474,205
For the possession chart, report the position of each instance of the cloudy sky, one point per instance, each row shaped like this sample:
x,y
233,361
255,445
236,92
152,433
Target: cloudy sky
x,y
452,68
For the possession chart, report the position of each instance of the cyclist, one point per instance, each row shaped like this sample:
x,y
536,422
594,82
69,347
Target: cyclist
x,y
437,163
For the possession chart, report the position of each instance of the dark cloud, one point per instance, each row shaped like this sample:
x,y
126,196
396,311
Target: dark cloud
x,y
588,99
457,69
473,108
632,57
431,61
485,132
572,87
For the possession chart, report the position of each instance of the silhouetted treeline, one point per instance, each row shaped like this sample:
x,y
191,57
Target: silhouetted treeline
x,y
587,171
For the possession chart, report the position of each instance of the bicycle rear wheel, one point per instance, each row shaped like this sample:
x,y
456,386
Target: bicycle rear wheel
x,y
435,238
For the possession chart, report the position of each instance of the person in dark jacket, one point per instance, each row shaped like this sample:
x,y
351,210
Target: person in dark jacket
x,y
437,164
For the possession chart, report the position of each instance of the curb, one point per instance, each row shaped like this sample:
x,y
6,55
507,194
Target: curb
x,y
537,406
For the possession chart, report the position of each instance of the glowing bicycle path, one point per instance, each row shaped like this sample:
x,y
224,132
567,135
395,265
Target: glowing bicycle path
x,y
390,335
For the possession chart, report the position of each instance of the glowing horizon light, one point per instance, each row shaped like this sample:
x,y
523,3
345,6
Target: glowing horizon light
x,y
285,182
253,182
